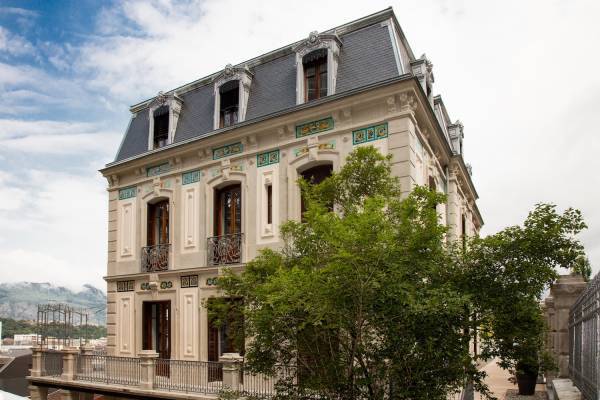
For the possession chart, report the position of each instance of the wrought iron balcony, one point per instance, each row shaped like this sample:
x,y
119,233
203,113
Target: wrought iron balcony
x,y
156,258
225,249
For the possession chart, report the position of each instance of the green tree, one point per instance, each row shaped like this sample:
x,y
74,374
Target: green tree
x,y
371,302
506,274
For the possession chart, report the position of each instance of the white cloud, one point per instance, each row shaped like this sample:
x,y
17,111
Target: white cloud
x,y
14,44
61,228
508,70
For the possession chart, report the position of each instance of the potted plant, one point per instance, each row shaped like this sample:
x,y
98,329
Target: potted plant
x,y
527,373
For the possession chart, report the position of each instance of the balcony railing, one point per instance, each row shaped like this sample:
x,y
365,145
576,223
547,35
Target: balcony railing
x,y
225,249
164,378
155,258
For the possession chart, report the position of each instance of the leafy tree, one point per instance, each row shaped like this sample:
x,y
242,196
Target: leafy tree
x,y
505,275
370,301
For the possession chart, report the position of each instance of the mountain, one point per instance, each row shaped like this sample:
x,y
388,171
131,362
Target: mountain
x,y
20,300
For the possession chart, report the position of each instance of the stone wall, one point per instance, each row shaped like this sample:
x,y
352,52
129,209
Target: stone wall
x,y
563,295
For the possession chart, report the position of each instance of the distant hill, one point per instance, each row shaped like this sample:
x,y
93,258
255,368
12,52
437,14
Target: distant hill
x,y
19,300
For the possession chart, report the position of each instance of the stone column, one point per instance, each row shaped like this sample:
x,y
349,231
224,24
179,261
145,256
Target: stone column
x,y
69,360
564,293
38,392
232,365
147,365
37,353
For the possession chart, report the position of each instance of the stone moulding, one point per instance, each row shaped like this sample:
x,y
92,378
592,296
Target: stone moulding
x,y
227,150
370,133
314,127
127,193
267,158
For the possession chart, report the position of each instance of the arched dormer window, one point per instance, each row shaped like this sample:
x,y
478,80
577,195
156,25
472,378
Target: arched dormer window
x,y
161,127
163,114
316,66
232,89
315,74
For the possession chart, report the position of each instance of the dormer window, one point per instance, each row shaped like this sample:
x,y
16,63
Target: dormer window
x,y
315,74
316,66
163,114
161,127
232,89
230,100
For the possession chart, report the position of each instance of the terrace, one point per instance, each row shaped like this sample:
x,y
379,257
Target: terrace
x,y
80,370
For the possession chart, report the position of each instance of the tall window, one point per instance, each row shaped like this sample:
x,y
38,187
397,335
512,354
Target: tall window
x,y
269,189
316,175
161,127
228,210
226,332
463,230
158,223
315,74
228,109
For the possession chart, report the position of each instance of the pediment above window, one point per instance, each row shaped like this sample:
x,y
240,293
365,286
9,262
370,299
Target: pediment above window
x,y
325,46
317,41
232,87
163,115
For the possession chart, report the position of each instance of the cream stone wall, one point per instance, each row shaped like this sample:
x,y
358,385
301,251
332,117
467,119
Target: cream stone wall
x,y
418,151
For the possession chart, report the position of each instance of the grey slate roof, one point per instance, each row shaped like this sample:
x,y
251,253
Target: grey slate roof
x,y
366,57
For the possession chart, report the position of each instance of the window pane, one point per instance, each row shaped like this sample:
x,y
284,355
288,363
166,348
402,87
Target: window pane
x,y
323,85
310,70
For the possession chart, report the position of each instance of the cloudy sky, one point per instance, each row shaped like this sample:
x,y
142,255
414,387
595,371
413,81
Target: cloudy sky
x,y
523,77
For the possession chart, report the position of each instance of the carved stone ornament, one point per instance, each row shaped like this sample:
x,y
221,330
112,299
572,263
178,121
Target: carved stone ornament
x,y
316,41
231,73
408,101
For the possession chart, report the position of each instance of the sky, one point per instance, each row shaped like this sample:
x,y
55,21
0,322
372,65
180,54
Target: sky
x,y
522,76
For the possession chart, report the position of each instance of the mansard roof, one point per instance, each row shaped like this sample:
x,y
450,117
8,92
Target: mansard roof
x,y
369,54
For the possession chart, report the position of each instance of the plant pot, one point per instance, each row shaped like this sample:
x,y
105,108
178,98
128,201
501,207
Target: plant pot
x,y
526,382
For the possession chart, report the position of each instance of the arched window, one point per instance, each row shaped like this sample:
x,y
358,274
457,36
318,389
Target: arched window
x,y
315,74
229,107
161,127
226,246
315,175
158,223
155,256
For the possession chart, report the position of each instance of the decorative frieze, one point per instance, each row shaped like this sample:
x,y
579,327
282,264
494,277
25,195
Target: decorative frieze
x,y
314,127
370,133
189,281
267,158
125,286
300,151
163,285
228,150
158,169
190,177
127,193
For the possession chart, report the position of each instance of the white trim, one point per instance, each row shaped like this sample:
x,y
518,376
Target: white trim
x,y
395,46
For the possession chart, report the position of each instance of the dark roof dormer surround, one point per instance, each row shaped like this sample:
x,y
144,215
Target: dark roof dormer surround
x,y
366,57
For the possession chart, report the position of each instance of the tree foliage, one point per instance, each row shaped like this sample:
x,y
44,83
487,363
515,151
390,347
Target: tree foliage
x,y
370,301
